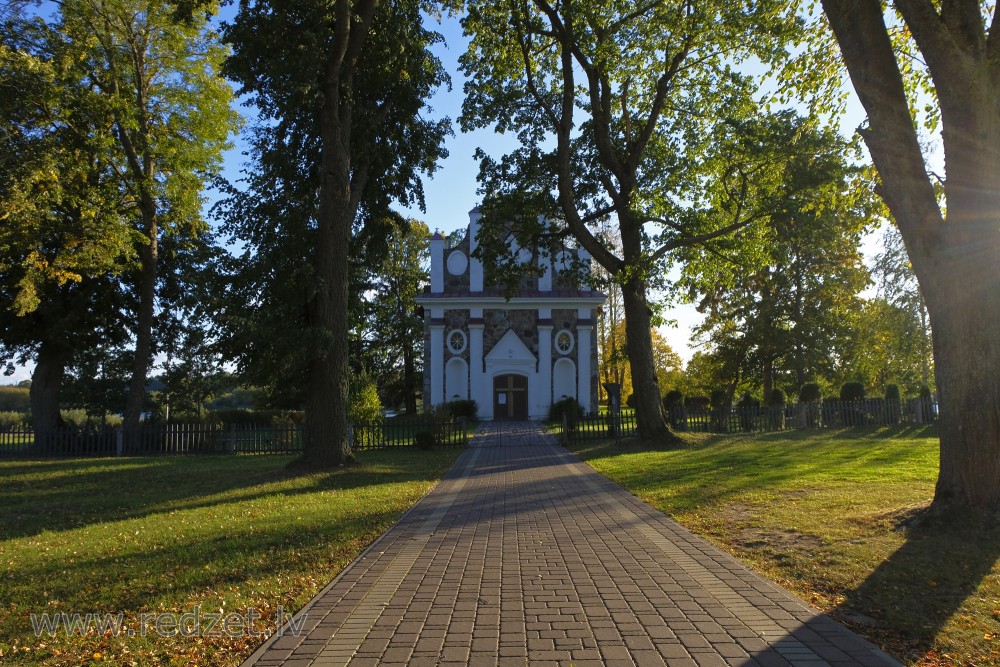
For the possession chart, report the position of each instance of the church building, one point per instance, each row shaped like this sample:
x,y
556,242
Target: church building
x,y
513,356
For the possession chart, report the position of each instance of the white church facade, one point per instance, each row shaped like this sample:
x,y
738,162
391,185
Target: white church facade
x,y
514,356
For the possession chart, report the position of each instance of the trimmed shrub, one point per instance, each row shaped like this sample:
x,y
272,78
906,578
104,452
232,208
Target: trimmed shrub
x,y
673,399
926,403
748,409
567,406
630,401
720,410
776,398
365,407
698,403
776,409
810,393
467,409
852,391
424,440
893,404
720,399
673,404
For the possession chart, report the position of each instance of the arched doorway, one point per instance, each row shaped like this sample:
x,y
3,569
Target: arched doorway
x,y
510,396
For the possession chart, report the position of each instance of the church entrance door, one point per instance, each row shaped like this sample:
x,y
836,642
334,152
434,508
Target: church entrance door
x,y
510,397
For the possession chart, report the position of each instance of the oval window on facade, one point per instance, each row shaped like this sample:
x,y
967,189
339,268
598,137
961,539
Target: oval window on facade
x,y
456,341
564,342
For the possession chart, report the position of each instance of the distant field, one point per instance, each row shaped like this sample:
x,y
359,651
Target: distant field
x,y
156,535
830,515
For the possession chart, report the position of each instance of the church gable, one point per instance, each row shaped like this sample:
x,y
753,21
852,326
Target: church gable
x,y
510,348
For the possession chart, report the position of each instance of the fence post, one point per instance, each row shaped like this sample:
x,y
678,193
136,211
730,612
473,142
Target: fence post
x,y
119,441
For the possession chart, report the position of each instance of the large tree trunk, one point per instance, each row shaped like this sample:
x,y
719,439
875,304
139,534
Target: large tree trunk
x,y
46,382
964,303
326,442
649,413
955,261
149,257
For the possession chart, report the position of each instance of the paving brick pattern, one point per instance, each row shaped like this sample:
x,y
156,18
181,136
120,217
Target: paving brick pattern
x,y
524,555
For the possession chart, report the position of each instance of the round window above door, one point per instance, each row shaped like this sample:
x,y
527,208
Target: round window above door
x,y
564,342
456,341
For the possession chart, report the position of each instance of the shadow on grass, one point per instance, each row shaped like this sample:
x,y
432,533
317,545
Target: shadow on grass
x,y
66,494
906,601
712,468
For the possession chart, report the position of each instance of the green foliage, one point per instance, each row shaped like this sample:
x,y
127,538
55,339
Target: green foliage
x,y
925,391
810,393
720,399
467,409
748,401
277,331
424,440
776,398
393,327
892,392
366,406
852,391
11,420
568,408
14,399
698,403
673,399
640,164
779,295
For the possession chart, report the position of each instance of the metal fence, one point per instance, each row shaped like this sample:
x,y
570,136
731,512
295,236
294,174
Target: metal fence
x,y
751,419
186,439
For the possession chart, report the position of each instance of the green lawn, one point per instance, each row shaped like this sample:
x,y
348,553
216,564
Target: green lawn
x,y
837,518
155,535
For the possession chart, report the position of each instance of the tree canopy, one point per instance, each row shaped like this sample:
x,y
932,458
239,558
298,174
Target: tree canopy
x,y
341,90
615,107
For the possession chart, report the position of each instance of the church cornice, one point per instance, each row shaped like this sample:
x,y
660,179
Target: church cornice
x,y
530,299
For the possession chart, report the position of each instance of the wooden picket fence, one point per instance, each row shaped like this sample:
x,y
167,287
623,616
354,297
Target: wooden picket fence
x,y
828,414
187,439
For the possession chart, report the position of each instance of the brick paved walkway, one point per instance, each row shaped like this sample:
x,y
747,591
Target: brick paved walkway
x,y
525,555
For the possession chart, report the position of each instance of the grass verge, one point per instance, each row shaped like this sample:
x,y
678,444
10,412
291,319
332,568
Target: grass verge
x,y
838,518
171,535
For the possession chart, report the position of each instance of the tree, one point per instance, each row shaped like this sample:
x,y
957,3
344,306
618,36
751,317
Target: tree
x,y
955,249
64,238
887,347
649,82
344,84
898,285
158,74
779,298
395,329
